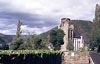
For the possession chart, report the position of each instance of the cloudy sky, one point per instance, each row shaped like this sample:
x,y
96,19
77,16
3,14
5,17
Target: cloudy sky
x,y
41,15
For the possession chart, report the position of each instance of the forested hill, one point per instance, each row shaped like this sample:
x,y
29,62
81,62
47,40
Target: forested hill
x,y
5,38
83,28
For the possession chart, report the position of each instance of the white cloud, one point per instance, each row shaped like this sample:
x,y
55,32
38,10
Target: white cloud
x,y
26,29
7,29
74,9
11,31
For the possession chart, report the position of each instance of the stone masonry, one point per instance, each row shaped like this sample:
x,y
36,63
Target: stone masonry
x,y
75,58
68,31
64,26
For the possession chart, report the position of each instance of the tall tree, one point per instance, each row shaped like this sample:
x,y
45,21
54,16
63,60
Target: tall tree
x,y
17,41
96,29
18,33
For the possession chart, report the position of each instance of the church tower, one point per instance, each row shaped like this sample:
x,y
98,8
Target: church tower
x,y
68,31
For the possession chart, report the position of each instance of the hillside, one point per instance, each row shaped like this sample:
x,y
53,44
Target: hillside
x,y
5,38
84,28
81,27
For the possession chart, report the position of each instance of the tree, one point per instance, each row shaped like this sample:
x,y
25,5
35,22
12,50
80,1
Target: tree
x,y
4,46
56,38
18,33
29,43
38,43
17,41
60,35
33,42
95,40
53,37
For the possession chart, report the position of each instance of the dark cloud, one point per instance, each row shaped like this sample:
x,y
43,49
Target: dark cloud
x,y
32,20
11,11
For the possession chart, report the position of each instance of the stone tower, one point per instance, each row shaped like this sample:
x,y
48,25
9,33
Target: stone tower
x,y
68,31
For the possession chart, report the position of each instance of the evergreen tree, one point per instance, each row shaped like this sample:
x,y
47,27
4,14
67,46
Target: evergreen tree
x,y
95,40
17,41
18,33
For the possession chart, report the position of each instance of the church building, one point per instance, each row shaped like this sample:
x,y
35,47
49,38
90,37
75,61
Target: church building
x,y
70,35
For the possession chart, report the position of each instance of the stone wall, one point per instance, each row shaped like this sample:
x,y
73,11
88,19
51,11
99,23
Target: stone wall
x,y
75,58
65,27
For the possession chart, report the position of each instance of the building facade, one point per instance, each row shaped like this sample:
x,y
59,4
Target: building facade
x,y
68,29
78,43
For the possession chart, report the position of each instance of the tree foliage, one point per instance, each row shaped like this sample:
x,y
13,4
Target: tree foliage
x,y
4,46
33,42
17,41
95,40
56,38
29,43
